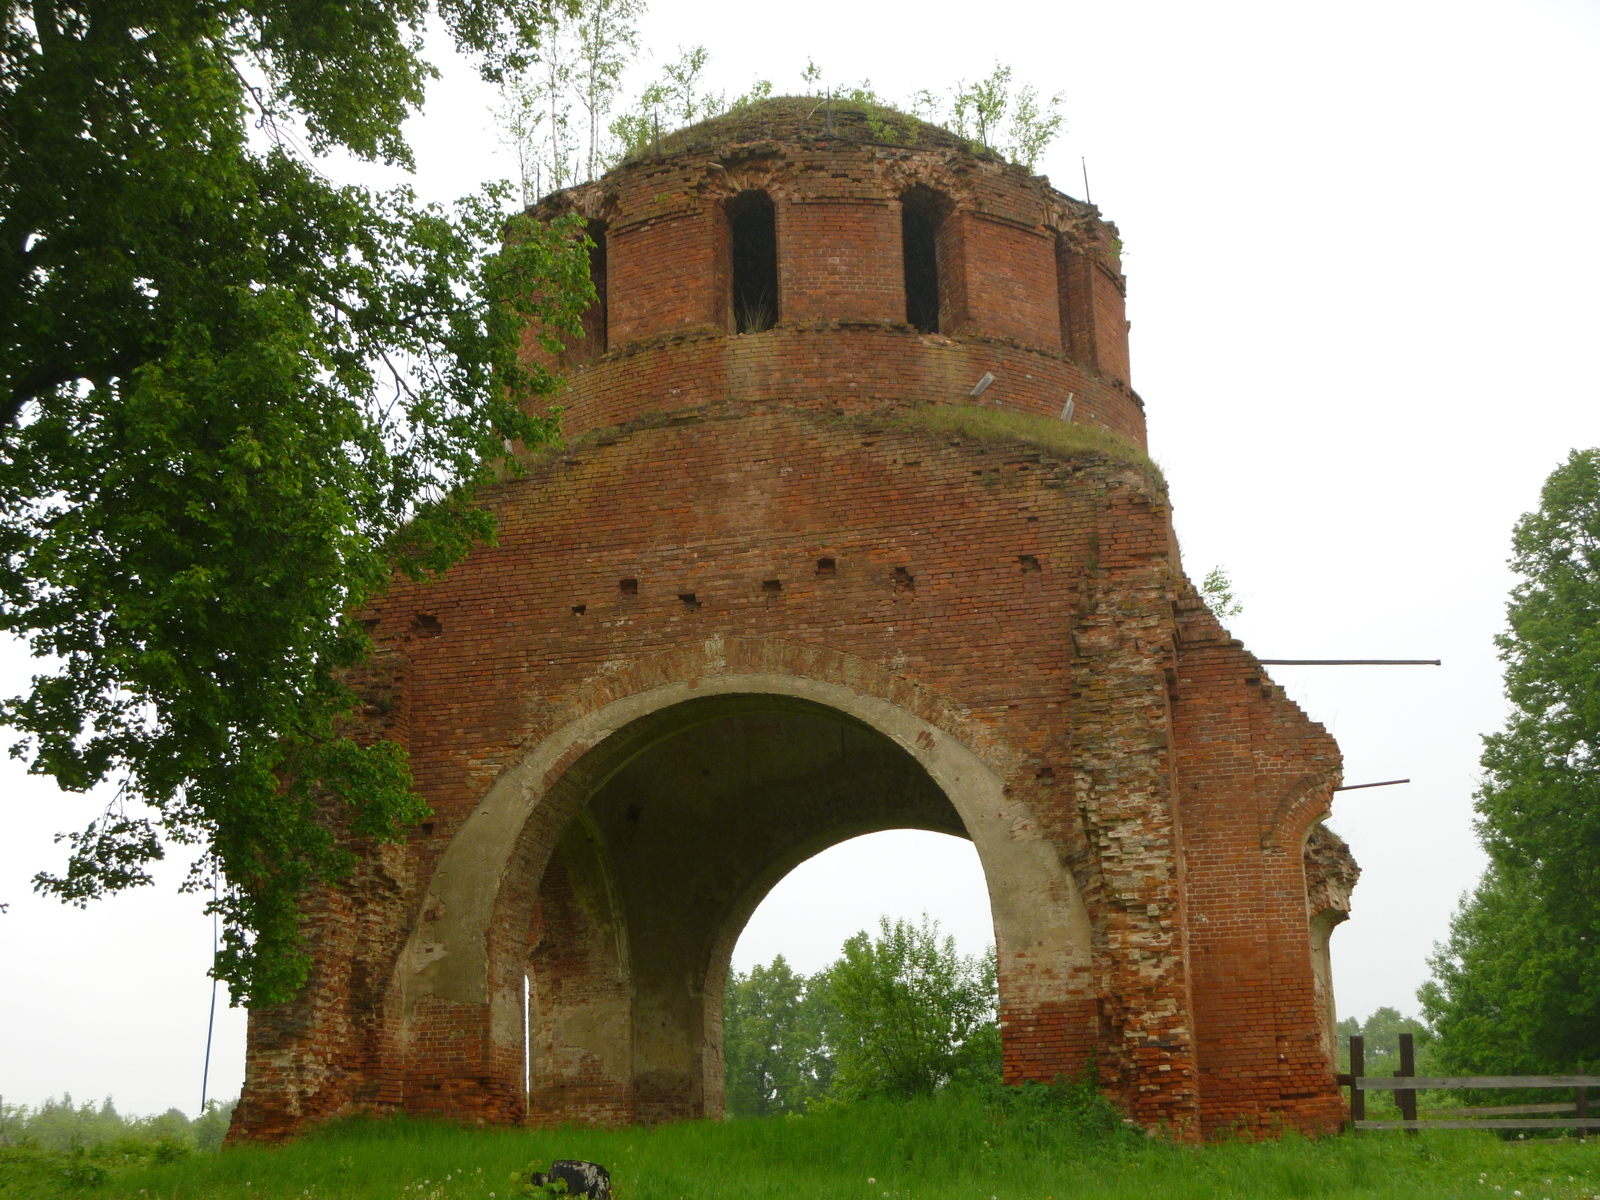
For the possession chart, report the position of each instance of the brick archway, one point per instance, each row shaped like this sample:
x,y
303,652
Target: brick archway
x,y
461,972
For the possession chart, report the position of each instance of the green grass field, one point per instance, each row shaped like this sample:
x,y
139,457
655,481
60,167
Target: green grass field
x,y
947,1148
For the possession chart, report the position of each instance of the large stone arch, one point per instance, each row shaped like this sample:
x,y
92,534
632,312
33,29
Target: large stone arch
x,y
464,953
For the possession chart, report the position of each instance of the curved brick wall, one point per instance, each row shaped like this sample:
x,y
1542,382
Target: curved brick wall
x,y
1030,287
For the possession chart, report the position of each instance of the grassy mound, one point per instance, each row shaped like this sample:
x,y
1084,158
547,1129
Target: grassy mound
x,y
966,1146
1060,439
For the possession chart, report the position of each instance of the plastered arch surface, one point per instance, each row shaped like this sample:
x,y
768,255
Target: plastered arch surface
x,y
1041,923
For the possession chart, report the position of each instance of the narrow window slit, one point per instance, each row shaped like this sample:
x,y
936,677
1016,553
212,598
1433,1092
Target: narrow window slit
x,y
596,317
919,231
753,228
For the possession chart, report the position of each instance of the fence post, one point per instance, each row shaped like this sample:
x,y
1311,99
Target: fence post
x,y
1358,1068
1583,1111
1408,1066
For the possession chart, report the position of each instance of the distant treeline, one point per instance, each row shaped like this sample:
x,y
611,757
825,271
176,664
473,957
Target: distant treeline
x,y
901,1014
63,1125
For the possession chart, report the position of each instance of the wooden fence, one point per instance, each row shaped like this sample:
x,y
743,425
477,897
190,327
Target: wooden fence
x,y
1406,1083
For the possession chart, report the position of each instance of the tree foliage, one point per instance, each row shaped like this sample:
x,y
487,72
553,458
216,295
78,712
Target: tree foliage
x,y
1516,987
1381,1033
900,1014
775,1027
234,398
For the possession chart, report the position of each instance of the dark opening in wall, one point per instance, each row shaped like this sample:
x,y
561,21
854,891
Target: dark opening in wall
x,y
920,214
753,229
594,318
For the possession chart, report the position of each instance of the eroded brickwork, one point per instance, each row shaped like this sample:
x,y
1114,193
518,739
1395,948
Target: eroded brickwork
x,y
756,606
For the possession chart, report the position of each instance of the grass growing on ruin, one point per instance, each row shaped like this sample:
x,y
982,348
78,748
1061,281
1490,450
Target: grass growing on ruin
x,y
1061,439
957,1146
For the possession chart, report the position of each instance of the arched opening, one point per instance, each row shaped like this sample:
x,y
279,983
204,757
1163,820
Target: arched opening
x,y
784,1034
595,317
921,215
753,240
595,895
644,898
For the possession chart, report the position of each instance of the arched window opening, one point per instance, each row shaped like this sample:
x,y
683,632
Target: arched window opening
x,y
753,229
920,215
595,317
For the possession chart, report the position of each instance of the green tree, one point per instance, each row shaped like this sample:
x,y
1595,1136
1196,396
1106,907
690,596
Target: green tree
x,y
912,1013
234,398
1516,986
1217,592
774,1037
1381,1032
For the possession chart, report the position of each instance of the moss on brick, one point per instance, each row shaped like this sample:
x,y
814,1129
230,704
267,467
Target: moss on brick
x,y
1061,438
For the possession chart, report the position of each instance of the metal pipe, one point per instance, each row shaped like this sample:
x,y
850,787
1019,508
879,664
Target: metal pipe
x,y
1349,662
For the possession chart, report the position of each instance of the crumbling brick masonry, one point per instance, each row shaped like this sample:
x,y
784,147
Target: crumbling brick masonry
x,y
762,602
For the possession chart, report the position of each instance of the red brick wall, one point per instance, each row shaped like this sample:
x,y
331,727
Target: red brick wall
x,y
841,261
1254,775
661,273
1011,282
1110,323
1031,608
840,255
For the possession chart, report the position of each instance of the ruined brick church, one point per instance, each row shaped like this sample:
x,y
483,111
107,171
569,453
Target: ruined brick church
x,y
851,531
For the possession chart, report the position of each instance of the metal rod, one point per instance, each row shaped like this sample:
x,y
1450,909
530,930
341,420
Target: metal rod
x,y
1349,662
211,1021
1356,787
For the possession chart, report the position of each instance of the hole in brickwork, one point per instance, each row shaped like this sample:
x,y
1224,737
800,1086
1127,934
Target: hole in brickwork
x,y
753,226
903,582
688,600
1029,563
825,566
426,625
595,318
579,609
427,829
1046,775
628,587
772,585
920,213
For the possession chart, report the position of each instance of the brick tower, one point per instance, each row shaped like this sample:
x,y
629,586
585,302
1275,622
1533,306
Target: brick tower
x,y
852,531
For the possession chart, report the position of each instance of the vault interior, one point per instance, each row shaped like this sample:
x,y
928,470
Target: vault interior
x,y
646,892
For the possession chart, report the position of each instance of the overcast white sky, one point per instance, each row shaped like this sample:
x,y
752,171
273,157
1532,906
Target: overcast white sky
x,y
1362,252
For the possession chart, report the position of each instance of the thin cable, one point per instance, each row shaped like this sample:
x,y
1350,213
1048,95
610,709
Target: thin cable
x,y
211,1024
